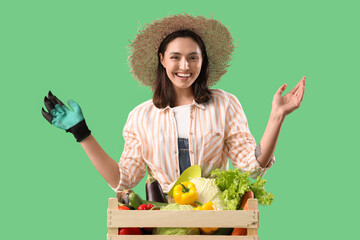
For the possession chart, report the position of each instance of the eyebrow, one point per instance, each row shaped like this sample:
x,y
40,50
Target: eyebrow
x,y
197,53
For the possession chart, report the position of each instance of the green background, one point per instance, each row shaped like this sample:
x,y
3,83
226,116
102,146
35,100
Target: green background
x,y
77,49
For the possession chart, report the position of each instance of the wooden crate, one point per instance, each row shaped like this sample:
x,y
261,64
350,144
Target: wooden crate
x,y
223,219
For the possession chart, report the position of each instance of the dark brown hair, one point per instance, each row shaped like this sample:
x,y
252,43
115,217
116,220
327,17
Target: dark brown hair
x,y
164,93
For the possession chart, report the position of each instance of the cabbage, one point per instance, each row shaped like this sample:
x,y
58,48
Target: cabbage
x,y
175,206
208,191
176,231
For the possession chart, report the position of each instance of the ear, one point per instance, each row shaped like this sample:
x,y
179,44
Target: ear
x,y
162,60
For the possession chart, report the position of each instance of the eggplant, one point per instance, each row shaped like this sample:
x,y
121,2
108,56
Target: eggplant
x,y
123,196
154,192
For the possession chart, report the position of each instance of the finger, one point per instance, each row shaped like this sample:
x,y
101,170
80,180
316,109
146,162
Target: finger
x,y
54,99
298,85
48,104
281,89
74,105
301,83
46,115
59,109
65,108
300,94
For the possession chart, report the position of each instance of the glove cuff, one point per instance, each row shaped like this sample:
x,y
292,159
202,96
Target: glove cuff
x,y
80,131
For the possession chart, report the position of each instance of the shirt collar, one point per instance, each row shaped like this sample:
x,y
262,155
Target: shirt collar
x,y
199,105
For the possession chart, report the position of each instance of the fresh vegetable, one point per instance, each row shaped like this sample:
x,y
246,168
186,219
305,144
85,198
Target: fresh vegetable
x,y
123,196
135,201
123,207
223,231
176,231
185,193
130,231
244,206
191,172
145,206
153,190
206,206
208,191
176,206
234,184
258,187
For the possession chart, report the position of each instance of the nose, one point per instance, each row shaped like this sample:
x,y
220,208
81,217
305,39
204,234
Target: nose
x,y
184,65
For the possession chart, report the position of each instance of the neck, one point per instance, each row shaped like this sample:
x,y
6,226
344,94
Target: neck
x,y
184,96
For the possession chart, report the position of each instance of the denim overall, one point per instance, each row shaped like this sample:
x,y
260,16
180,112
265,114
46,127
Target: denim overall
x,y
184,156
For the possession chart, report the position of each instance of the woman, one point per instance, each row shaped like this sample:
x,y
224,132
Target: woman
x,y
185,123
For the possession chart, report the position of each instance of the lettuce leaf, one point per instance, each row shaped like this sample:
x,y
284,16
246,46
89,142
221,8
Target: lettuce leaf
x,y
258,187
234,184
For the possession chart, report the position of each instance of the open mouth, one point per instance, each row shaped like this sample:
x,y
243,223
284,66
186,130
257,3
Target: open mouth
x,y
183,75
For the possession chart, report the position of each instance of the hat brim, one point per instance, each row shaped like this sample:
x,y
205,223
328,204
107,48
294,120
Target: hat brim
x,y
218,41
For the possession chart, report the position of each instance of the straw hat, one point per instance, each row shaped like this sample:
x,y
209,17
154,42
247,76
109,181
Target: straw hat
x,y
219,45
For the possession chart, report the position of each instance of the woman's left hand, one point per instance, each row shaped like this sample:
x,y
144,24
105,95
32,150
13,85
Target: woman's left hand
x,y
291,101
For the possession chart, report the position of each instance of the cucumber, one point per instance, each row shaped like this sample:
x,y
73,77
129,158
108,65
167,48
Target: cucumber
x,y
135,201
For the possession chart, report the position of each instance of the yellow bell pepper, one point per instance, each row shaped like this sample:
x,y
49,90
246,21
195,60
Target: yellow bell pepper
x,y
207,206
185,193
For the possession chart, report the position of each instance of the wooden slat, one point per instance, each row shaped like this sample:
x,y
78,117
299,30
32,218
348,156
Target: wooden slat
x,y
253,205
113,205
177,218
180,237
246,219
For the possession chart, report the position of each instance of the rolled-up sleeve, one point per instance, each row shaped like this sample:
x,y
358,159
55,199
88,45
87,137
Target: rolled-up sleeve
x,y
239,142
132,166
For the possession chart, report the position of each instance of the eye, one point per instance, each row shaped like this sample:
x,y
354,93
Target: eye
x,y
174,57
194,58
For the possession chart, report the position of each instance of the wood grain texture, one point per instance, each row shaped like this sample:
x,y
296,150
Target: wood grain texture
x,y
223,219
181,237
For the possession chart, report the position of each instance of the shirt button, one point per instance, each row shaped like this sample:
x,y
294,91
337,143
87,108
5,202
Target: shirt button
x,y
191,152
218,134
175,152
190,133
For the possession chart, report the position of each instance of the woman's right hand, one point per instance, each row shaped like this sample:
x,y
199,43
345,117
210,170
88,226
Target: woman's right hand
x,y
62,117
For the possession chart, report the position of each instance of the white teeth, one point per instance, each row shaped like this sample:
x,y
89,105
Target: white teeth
x,y
183,75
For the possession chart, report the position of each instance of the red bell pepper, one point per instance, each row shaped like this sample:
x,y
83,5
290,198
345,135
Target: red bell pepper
x,y
145,207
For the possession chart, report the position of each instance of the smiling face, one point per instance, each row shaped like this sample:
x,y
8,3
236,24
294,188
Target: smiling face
x,y
182,61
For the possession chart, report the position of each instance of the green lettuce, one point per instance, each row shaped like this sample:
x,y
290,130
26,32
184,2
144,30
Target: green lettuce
x,y
234,184
258,187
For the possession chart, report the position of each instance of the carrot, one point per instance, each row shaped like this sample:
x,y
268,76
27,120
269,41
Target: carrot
x,y
244,206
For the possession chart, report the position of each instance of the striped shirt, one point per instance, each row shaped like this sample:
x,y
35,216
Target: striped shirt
x,y
218,131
